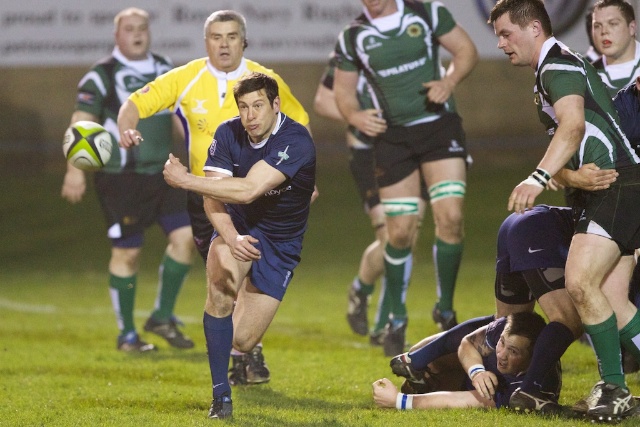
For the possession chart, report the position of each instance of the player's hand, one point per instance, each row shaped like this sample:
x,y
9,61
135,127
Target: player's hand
x,y
523,196
485,383
554,185
175,173
315,193
243,248
384,393
369,122
591,178
130,137
439,91
74,185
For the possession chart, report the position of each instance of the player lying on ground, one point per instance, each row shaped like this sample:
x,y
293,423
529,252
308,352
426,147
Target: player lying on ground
x,y
479,370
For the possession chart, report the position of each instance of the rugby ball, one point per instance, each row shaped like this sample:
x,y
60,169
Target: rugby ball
x,y
87,145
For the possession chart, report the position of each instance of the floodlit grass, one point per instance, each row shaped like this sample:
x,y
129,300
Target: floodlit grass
x,y
59,366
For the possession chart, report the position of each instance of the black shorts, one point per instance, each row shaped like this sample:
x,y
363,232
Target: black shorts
x,y
522,287
401,150
132,202
200,224
614,212
362,164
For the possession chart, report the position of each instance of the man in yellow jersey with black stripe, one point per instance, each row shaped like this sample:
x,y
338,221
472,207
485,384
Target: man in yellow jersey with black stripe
x,y
201,94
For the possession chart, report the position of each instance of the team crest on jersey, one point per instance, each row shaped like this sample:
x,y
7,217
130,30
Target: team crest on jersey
x,y
372,43
212,148
414,30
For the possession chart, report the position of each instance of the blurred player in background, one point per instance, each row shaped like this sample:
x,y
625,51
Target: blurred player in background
x,y
132,192
362,165
614,36
418,135
201,94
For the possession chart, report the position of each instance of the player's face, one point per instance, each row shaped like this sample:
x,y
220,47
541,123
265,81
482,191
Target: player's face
x,y
515,42
257,115
133,37
612,36
378,8
224,45
512,353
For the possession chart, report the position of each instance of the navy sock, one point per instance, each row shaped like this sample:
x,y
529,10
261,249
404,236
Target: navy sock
x,y
219,335
553,341
446,343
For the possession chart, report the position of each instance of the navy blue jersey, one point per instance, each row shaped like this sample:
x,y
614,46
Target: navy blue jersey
x,y
628,105
507,384
280,214
539,238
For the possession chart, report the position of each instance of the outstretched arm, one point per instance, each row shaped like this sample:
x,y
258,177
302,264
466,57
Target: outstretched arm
x,y
472,348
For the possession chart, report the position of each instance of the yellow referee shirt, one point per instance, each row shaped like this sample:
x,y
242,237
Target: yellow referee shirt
x,y
202,97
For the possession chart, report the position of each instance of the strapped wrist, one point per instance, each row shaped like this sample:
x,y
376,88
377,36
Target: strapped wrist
x,y
475,370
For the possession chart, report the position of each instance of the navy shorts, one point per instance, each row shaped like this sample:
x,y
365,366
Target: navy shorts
x,y
273,272
200,224
132,202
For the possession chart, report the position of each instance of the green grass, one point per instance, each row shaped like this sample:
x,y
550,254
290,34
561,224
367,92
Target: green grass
x,y
59,366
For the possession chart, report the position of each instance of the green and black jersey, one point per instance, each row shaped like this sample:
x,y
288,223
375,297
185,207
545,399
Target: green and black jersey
x,y
617,76
397,54
562,72
106,87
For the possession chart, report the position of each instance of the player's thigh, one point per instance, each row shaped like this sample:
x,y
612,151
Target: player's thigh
x,y
590,258
450,169
224,278
181,245
252,316
558,306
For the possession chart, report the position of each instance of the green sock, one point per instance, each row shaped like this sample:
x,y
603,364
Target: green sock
x,y
384,308
363,288
446,258
172,275
630,336
606,343
123,295
397,272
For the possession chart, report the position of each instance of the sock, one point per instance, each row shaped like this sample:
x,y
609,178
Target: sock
x,y
219,335
172,275
397,271
363,288
384,308
123,296
446,259
447,343
553,341
606,343
630,336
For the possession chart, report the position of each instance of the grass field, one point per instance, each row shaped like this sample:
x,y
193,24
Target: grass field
x,y
59,366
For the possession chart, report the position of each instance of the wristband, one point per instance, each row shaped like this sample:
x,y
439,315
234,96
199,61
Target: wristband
x,y
533,181
404,401
475,370
544,174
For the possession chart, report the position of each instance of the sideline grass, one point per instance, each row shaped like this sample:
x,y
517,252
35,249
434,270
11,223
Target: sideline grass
x,y
59,367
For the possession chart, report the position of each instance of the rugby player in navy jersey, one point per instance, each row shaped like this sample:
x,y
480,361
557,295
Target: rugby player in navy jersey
x,y
260,175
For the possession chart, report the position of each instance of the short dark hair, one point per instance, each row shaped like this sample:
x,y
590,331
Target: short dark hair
x,y
525,324
254,82
625,8
522,12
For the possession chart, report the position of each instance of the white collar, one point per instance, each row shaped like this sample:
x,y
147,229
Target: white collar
x,y
256,145
233,75
388,22
144,66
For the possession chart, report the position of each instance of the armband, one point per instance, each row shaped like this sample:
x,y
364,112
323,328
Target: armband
x,y
404,401
539,177
475,370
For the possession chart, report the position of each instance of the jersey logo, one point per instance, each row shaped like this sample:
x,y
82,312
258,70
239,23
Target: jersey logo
x,y
212,148
455,147
199,108
283,155
533,251
414,30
